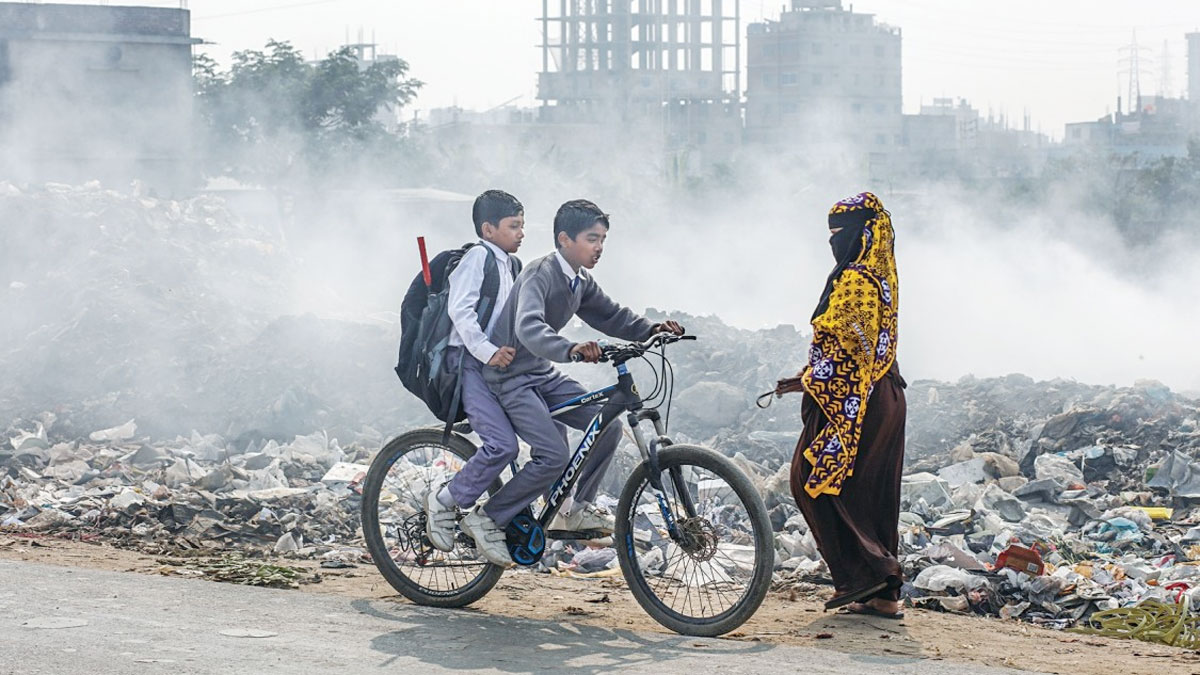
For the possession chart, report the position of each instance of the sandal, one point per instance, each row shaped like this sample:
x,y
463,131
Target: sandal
x,y
867,610
855,596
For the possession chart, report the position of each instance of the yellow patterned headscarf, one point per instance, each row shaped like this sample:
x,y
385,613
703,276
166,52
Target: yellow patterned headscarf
x,y
854,345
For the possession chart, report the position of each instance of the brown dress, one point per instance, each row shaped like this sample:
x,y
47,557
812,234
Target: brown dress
x,y
856,531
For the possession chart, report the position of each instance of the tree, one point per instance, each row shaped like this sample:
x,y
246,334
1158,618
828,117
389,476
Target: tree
x,y
275,120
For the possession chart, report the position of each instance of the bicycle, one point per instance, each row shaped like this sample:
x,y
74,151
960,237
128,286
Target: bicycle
x,y
689,523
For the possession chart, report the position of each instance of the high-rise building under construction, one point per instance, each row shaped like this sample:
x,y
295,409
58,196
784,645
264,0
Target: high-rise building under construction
x,y
662,71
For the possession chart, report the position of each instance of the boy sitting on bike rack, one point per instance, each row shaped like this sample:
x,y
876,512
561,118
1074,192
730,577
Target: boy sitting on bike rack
x,y
547,294
499,221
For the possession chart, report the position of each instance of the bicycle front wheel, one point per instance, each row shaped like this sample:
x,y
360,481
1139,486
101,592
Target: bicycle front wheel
x,y
393,522
715,576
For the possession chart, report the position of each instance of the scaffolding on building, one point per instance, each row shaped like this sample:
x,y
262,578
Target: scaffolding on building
x,y
618,54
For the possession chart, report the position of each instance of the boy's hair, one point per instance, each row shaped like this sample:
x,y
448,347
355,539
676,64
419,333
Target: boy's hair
x,y
576,216
492,207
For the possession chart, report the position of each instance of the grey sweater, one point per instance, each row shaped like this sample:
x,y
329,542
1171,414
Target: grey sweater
x,y
540,304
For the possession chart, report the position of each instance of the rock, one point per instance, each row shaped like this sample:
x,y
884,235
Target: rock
x,y
996,499
999,466
183,472
1044,489
148,455
1058,468
127,500
962,453
217,479
970,471
49,519
779,516
1011,483
924,486
289,542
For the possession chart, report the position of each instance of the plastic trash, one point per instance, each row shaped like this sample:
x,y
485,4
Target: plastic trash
x,y
938,578
1021,559
1058,468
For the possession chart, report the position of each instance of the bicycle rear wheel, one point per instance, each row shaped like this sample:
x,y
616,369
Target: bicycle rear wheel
x,y
393,522
715,578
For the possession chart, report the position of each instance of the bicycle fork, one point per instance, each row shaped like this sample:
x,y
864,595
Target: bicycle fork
x,y
649,451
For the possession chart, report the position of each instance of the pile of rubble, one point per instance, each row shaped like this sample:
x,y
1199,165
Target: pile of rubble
x,y
188,496
1049,515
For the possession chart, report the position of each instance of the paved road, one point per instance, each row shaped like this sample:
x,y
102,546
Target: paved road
x,y
71,621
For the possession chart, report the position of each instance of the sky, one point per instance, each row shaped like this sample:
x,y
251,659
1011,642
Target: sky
x,y
1060,61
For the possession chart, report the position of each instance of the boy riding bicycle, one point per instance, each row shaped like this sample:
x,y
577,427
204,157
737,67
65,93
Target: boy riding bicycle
x,y
544,298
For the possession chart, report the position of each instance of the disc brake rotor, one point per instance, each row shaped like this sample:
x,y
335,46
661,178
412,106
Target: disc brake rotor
x,y
699,538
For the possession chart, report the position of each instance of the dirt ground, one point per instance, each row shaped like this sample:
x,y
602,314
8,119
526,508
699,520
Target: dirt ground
x,y
782,619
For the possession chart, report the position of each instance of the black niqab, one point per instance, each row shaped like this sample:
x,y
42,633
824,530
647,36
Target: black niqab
x,y
846,246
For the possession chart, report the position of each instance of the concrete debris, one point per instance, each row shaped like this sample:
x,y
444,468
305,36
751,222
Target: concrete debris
x,y
1047,517
297,499
970,471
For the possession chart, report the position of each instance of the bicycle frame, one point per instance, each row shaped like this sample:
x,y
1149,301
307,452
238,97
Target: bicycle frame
x,y
618,398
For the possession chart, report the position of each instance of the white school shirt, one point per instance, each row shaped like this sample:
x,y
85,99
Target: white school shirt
x,y
573,278
465,283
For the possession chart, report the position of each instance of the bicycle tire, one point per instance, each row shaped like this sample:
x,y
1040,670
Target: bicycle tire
x,y
756,590
403,444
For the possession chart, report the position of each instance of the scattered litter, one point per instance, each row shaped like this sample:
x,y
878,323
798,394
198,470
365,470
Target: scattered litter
x,y
237,570
1101,517
1148,621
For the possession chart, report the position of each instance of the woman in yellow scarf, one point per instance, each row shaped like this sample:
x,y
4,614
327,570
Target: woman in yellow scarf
x,y
847,466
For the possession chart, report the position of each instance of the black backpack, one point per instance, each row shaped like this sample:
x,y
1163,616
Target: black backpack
x,y
425,330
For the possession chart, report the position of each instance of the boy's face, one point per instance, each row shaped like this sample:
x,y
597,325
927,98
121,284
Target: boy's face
x,y
585,249
507,234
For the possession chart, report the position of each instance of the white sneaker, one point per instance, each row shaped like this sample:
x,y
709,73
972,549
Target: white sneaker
x,y
587,518
489,539
439,521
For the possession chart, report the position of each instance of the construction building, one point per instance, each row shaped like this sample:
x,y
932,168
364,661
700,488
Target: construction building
x,y
824,75
665,73
96,92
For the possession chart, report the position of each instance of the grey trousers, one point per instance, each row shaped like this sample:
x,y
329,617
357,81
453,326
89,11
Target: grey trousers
x,y
527,400
488,420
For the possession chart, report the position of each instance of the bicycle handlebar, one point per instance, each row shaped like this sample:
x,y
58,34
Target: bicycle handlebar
x,y
635,349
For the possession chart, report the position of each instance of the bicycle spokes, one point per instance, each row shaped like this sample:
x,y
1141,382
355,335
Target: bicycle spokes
x,y
707,567
402,521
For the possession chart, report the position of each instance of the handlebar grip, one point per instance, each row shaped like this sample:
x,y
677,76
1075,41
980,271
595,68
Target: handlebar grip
x,y
576,357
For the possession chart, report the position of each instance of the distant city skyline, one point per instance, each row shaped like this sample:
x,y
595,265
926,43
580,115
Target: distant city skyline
x,y
1057,61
